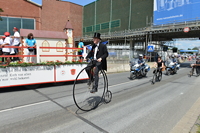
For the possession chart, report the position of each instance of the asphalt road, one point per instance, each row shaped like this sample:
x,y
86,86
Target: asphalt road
x,y
137,106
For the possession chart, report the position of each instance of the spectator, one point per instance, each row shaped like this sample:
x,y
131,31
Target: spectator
x,y
6,42
1,52
80,45
31,44
15,42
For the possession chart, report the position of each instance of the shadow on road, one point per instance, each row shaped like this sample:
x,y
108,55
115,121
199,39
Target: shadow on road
x,y
36,86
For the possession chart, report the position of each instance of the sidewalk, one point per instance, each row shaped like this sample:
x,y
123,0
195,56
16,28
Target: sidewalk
x,y
187,122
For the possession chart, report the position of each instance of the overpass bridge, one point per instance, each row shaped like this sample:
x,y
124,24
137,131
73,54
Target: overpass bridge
x,y
153,33
135,41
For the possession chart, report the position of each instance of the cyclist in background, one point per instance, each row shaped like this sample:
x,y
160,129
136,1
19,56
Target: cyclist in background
x,y
159,65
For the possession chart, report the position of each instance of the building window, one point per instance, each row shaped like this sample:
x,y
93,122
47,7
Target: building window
x,y
105,25
98,27
8,23
45,44
89,29
115,23
59,44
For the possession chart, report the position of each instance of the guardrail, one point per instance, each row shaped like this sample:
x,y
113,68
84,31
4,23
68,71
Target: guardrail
x,y
39,55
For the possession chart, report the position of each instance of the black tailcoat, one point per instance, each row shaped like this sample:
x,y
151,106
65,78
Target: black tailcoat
x,y
102,52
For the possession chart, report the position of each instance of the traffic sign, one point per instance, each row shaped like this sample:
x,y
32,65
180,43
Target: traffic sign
x,y
186,29
150,48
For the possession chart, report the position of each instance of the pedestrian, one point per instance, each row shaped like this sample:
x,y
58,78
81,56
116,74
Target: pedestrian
x,y
1,52
80,45
98,53
15,42
7,42
31,44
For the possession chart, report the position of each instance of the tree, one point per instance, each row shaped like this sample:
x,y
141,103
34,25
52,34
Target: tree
x,y
1,10
175,49
189,48
195,48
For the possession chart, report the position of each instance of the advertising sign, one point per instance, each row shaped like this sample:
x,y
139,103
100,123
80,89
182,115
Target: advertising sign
x,y
26,75
69,72
175,11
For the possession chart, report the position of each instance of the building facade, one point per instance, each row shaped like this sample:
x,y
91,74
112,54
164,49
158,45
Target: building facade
x,y
117,15
52,15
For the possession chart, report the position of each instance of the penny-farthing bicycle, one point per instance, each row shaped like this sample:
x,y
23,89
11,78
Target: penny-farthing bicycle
x,y
85,100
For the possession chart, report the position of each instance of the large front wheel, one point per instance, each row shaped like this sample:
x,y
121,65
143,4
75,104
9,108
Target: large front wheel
x,y
83,99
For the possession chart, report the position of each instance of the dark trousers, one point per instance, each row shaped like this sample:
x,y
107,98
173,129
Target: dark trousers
x,y
80,53
198,69
97,67
1,53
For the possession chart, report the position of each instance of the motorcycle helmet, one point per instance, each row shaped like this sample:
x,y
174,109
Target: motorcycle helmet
x,y
140,55
7,33
173,56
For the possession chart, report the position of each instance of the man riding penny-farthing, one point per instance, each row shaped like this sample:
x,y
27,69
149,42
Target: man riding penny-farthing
x,y
88,96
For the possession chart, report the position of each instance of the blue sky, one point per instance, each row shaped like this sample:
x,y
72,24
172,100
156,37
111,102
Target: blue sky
x,y
80,2
187,44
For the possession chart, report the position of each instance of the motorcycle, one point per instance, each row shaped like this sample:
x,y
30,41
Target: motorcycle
x,y
137,70
172,68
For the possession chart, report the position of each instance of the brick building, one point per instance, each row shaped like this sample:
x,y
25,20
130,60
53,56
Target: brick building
x,y
52,15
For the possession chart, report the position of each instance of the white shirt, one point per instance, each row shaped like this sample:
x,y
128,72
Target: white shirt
x,y
95,51
16,40
1,41
7,40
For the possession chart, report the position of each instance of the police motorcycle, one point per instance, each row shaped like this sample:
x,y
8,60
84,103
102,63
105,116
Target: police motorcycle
x,y
172,66
137,70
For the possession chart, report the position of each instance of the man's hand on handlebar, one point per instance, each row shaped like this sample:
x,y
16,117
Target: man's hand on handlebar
x,y
99,60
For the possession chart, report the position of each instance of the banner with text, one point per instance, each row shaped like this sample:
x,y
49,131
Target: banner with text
x,y
175,11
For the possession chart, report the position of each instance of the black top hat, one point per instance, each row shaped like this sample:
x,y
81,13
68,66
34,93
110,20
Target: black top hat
x,y
97,35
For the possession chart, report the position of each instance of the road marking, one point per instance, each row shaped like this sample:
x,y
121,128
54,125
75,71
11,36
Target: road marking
x,y
122,83
28,105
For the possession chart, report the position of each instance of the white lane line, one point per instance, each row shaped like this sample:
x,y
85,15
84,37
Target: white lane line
x,y
28,105
123,83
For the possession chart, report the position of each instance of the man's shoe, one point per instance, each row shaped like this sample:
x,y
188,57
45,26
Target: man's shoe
x,y
93,90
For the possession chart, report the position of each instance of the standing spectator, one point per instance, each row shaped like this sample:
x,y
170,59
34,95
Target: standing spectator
x,y
30,43
6,42
1,42
15,42
80,45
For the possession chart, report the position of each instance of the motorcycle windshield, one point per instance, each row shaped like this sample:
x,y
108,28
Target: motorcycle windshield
x,y
133,62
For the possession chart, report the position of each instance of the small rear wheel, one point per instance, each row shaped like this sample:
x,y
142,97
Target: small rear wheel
x,y
108,96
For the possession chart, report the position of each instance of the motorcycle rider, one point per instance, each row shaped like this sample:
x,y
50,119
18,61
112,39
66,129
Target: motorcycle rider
x,y
174,59
141,62
197,66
